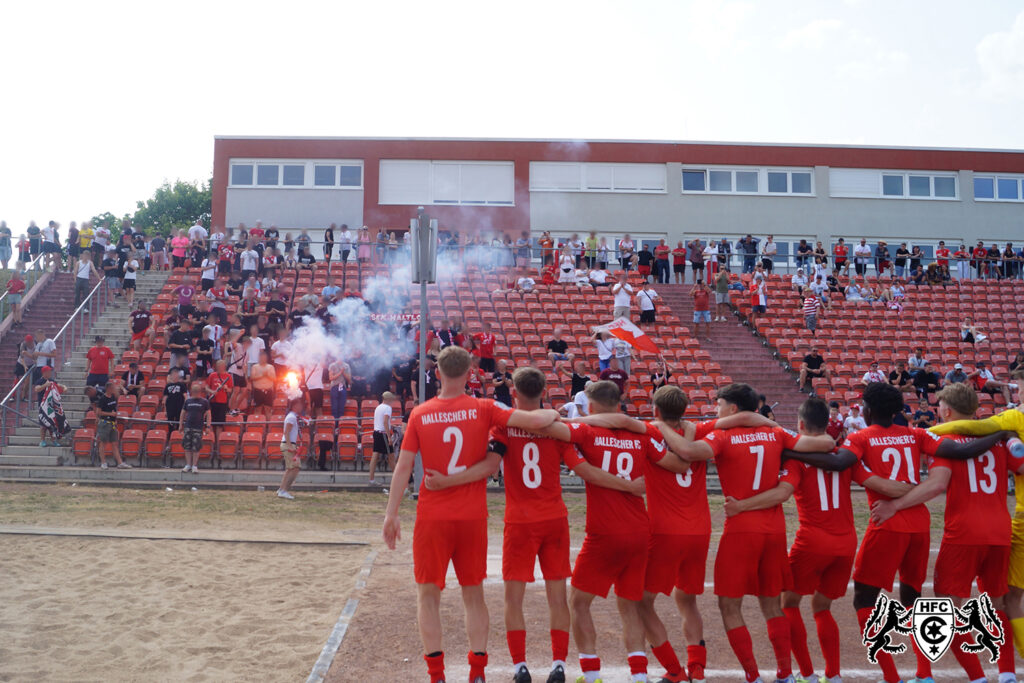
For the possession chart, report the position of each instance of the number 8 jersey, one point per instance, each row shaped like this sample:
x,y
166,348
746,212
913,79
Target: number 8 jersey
x,y
533,468
451,435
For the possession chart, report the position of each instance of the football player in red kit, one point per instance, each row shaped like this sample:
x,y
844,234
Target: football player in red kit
x,y
451,432
976,540
536,519
751,557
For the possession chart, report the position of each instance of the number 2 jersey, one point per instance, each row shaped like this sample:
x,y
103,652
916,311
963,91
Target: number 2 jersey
x,y
894,453
976,511
622,453
451,434
749,461
533,468
678,503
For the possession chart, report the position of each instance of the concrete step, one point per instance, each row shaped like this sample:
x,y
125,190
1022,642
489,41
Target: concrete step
x,y
30,460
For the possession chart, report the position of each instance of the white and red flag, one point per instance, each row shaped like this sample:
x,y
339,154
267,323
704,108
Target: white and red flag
x,y
630,333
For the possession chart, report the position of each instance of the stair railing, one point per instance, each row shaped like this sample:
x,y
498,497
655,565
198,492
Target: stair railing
x,y
33,271
19,403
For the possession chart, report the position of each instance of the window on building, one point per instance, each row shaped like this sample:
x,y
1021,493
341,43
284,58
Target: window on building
x,y
945,186
1003,188
721,181
876,183
241,174
693,181
984,188
559,176
920,186
892,185
293,174
447,182
267,174
747,180
801,182
778,182
351,175
1009,188
325,176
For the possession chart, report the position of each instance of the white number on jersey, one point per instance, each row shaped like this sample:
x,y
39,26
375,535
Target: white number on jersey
x,y
759,452
988,468
686,479
454,434
531,465
623,464
823,496
897,458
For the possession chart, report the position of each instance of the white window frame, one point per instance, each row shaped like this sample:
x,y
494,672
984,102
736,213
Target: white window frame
x,y
433,163
995,178
308,174
762,180
581,186
931,184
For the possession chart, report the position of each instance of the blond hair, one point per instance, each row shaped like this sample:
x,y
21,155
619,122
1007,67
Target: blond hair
x,y
454,361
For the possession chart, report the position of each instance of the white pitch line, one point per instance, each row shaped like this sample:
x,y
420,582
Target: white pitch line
x,y
620,674
323,662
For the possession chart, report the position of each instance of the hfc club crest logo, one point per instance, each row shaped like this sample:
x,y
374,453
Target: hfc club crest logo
x,y
933,622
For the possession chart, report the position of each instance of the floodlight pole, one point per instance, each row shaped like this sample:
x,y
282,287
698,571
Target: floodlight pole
x,y
423,230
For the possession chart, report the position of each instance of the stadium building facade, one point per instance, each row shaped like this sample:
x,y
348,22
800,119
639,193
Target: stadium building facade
x,y
648,189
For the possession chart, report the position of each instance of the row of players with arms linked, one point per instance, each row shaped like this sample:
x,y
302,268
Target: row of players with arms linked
x,y
662,548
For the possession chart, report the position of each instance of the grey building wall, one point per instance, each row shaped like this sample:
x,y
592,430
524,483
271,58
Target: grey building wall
x,y
820,217
294,208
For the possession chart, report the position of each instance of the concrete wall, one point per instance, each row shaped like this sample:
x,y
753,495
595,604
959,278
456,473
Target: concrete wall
x,y
819,217
294,208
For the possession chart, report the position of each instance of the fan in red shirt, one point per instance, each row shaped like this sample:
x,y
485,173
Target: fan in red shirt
x,y
976,540
451,432
225,258
902,542
839,254
821,557
751,557
485,347
679,262
942,254
979,254
536,520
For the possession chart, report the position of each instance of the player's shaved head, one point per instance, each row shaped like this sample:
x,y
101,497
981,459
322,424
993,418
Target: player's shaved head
x,y
671,402
454,361
882,401
743,396
961,398
529,383
605,393
814,414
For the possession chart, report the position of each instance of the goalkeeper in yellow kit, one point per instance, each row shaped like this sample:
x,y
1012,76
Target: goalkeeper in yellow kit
x,y
1010,420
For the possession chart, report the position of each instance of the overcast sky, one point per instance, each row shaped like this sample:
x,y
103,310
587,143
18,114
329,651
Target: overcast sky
x,y
103,101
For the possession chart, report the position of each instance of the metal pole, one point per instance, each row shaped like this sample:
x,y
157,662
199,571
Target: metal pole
x,y
423,341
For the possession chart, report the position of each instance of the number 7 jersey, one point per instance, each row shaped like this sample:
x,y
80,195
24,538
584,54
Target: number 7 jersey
x,y
533,468
451,435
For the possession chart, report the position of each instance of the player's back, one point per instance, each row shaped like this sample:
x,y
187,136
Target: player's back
x,y
749,461
678,503
823,505
893,452
624,454
451,435
532,466
975,510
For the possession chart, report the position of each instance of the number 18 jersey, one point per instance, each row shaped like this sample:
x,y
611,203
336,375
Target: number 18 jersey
x,y
533,464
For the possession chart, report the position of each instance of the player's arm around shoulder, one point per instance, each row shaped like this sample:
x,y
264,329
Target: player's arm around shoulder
x,y
936,484
965,450
532,420
685,447
598,477
762,501
612,421
673,461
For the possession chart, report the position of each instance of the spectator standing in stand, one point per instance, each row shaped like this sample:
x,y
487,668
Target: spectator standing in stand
x,y
220,385
501,382
769,250
701,308
644,261
963,262
106,426
679,263
605,344
645,300
748,246
900,262
721,296
812,305
724,254
710,256
627,247
854,422
840,258
803,254
290,449
661,262
195,417
16,289
99,357
695,254
758,299
861,256
622,292
382,430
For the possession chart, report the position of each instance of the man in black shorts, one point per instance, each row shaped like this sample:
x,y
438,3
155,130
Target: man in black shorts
x,y
814,366
174,397
195,415
558,348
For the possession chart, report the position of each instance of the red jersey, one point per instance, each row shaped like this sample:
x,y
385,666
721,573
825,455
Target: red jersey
x,y
961,254
99,360
15,286
548,275
980,252
976,512
679,256
942,256
678,503
451,434
226,252
835,427
701,300
758,294
661,252
624,454
224,382
893,452
484,344
840,251
824,508
749,460
533,467
257,233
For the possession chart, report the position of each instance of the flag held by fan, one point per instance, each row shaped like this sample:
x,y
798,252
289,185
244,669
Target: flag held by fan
x,y
623,329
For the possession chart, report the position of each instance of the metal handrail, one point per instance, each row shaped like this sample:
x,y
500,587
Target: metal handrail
x,y
70,333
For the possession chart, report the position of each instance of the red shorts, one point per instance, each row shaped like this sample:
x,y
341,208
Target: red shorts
x,y
883,552
957,566
643,270
813,572
676,561
137,336
612,560
547,540
462,542
749,563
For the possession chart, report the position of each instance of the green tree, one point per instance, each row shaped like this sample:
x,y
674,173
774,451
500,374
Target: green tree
x,y
174,206
115,223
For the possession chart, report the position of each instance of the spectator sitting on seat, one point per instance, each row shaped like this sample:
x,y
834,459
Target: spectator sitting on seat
x,y
133,380
799,281
854,292
970,334
956,375
926,382
819,288
833,285
598,278
983,380
854,422
549,273
525,284
918,276
924,417
814,366
1017,366
900,378
873,375
917,361
898,291
558,348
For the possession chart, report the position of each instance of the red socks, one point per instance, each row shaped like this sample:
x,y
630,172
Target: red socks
x,y
666,656
559,645
589,664
637,663
885,660
696,660
435,666
828,636
798,639
1006,663
739,641
477,664
924,665
968,660
516,646
778,633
